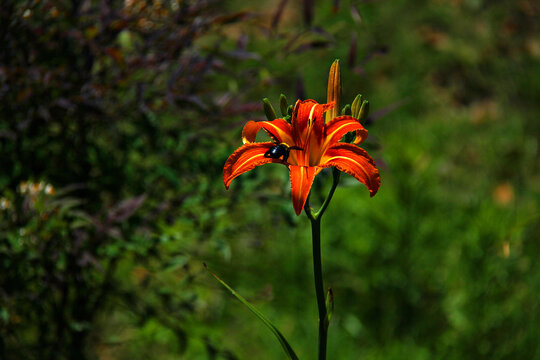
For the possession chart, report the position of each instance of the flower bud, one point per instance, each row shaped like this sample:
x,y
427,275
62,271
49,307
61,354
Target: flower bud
x,y
334,91
283,104
355,108
269,110
363,112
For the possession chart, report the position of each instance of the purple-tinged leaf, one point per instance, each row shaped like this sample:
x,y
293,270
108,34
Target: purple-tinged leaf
x,y
315,44
125,209
300,89
232,18
278,14
319,30
190,99
242,42
242,55
292,41
335,6
351,58
386,110
379,51
64,103
241,108
356,15
7,134
308,11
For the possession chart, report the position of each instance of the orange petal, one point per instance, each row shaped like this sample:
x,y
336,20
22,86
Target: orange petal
x,y
340,126
354,161
245,158
279,130
301,118
308,127
301,180
307,112
317,121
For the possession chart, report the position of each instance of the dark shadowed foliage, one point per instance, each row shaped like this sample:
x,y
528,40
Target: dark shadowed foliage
x,y
116,118
86,89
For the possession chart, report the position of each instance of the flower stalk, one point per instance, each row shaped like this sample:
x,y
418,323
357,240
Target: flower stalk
x,y
315,219
308,138
333,96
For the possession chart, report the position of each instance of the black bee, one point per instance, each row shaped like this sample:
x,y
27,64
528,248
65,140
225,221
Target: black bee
x,y
279,150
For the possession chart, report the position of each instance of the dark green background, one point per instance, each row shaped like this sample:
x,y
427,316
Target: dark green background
x,y
130,111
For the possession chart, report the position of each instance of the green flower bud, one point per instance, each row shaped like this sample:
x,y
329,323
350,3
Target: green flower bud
x,y
269,110
283,104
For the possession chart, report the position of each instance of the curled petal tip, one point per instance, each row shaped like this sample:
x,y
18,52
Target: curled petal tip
x,y
249,133
279,130
376,184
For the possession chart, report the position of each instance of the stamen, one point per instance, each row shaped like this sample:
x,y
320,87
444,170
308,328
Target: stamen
x,y
310,120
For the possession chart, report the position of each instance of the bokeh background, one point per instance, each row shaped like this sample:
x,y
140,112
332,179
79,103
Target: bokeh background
x,y
116,118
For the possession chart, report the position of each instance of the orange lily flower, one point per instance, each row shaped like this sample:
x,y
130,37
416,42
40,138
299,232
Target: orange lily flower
x,y
305,146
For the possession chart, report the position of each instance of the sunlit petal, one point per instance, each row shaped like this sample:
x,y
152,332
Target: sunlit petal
x,y
354,161
279,130
317,121
308,128
301,180
340,126
245,158
311,146
302,113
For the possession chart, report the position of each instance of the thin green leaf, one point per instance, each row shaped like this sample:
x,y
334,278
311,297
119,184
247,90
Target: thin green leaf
x,y
284,344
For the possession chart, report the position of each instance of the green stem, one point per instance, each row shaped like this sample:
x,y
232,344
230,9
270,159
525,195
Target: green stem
x,y
319,287
315,218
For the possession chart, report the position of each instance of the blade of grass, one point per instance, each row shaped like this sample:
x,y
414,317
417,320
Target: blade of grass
x,y
284,344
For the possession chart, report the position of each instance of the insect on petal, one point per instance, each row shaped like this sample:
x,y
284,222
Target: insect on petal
x,y
245,158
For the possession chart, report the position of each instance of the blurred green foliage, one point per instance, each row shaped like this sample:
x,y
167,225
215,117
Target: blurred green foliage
x,y
116,118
